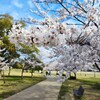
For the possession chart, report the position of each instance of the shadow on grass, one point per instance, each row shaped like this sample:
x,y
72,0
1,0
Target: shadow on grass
x,y
96,86
16,78
88,84
14,84
64,89
93,84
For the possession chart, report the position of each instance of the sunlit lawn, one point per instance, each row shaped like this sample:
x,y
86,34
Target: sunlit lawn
x,y
90,83
14,83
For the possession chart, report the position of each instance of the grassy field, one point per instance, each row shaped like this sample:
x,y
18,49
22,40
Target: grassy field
x,y
90,82
14,83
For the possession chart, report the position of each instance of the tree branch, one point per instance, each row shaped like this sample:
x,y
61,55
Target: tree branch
x,y
80,6
70,12
93,2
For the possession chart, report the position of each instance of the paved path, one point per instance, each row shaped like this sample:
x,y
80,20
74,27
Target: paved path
x,y
45,90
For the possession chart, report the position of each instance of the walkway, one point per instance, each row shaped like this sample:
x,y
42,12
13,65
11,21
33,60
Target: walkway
x,y
45,90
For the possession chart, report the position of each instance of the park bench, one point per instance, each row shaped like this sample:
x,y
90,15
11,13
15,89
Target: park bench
x,y
78,93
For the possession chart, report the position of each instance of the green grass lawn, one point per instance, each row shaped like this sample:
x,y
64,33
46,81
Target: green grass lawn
x,y
90,83
14,83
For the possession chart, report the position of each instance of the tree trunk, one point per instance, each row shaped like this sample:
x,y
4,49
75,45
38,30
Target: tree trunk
x,y
0,74
75,75
97,66
32,73
9,71
3,77
22,74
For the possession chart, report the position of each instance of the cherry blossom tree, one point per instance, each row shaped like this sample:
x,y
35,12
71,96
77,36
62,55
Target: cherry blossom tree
x,y
76,51
74,47
84,12
3,63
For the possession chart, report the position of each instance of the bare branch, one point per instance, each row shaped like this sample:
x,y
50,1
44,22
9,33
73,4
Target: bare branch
x,y
70,12
73,24
93,2
80,6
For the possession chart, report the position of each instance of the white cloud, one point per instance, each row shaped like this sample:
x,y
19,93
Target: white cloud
x,y
15,15
30,3
71,21
29,16
17,4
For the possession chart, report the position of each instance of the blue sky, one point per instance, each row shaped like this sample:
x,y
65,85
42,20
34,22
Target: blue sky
x,y
16,8
19,8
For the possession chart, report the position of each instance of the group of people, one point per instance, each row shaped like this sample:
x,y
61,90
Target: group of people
x,y
48,73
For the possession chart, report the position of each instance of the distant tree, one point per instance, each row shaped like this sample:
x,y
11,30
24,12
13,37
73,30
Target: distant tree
x,y
9,51
21,22
5,24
